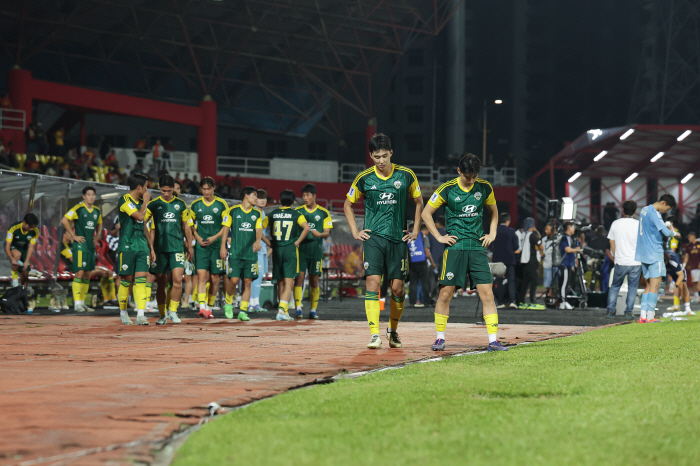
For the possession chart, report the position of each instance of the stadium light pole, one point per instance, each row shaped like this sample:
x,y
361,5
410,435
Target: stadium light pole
x,y
486,107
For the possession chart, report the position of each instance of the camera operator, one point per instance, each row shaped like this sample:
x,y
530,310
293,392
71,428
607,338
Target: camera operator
x,y
532,243
569,248
623,244
602,265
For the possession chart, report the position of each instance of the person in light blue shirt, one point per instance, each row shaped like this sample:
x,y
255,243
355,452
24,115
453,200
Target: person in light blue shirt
x,y
650,251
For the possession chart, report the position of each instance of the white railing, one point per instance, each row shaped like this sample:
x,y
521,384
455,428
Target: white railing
x,y
180,161
228,165
13,119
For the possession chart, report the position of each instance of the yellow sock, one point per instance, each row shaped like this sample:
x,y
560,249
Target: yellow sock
x,y
123,294
314,293
174,306
298,294
15,275
202,298
161,310
77,289
104,285
141,295
372,310
396,310
86,289
284,305
491,324
440,324
228,299
112,289
244,306
212,300
676,301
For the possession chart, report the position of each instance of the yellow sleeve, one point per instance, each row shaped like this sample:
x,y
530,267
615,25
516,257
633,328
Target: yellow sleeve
x,y
491,200
328,223
9,235
301,221
227,222
128,208
414,189
99,217
72,214
259,224
36,236
265,222
185,217
148,215
436,200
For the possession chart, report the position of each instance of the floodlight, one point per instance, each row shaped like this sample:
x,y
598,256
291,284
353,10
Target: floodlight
x,y
631,177
657,157
626,134
574,177
600,156
685,134
687,178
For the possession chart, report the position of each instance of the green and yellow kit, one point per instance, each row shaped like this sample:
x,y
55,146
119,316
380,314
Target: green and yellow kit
x,y
167,223
85,222
311,249
133,253
20,239
208,217
242,261
464,210
286,224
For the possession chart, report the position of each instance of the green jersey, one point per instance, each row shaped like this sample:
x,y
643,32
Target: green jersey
x,y
286,224
168,217
209,218
243,227
318,219
463,211
20,239
385,200
132,238
85,222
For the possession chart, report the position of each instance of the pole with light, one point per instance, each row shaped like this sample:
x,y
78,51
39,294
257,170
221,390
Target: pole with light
x,y
497,102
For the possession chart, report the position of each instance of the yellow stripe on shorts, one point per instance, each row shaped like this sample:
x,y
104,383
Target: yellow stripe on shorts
x,y
80,258
444,264
297,259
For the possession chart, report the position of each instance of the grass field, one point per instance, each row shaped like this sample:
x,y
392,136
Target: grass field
x,y
622,395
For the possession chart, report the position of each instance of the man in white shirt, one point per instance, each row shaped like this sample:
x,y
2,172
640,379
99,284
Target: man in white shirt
x,y
623,245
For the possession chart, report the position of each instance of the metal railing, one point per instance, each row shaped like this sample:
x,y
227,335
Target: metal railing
x,y
226,165
13,119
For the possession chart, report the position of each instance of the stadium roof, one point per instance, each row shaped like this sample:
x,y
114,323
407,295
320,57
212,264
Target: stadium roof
x,y
649,150
275,65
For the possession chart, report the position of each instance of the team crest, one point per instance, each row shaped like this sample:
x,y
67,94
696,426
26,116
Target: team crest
x,y
366,265
177,207
95,216
450,275
84,264
477,195
397,184
124,267
254,217
318,218
216,210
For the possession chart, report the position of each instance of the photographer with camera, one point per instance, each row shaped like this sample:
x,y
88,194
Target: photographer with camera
x,y
602,259
623,245
569,248
531,245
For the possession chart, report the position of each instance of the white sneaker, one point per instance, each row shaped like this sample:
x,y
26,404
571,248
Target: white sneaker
x,y
565,305
173,317
126,320
284,317
141,320
674,308
375,342
152,306
689,313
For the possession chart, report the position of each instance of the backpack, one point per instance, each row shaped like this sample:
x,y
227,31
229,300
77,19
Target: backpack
x,y
15,301
556,250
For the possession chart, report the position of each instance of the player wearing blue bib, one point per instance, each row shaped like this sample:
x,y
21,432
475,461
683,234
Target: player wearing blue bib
x,y
650,252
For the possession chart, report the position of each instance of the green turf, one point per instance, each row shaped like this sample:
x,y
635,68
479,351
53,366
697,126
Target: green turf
x,y
625,395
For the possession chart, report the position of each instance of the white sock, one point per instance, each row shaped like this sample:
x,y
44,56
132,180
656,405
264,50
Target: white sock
x,y
687,307
123,313
313,310
441,335
642,314
493,337
253,302
389,330
15,282
139,313
650,314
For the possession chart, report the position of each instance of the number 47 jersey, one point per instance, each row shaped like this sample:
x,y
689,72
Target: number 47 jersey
x,y
286,225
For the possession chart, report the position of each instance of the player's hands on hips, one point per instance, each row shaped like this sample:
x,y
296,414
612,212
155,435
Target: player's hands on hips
x,y
486,240
361,235
79,239
408,237
450,240
256,246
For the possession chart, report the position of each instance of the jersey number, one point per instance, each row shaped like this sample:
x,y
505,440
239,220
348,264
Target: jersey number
x,y
404,265
278,230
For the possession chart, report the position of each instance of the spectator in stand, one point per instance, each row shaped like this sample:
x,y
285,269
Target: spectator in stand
x,y
223,190
691,262
140,149
50,170
157,153
353,262
194,186
113,177
185,183
169,147
623,247
505,247
59,147
530,263
138,169
93,142
111,160
31,143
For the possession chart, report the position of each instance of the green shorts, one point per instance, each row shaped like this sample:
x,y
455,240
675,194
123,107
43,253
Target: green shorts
x,y
22,257
242,268
166,262
133,262
208,259
311,258
457,265
83,258
285,262
384,257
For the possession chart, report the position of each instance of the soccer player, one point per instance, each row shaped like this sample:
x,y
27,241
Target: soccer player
x,y
386,187
650,252
288,229
171,223
245,223
190,277
262,259
691,262
679,276
208,213
135,251
465,252
19,247
87,222
311,249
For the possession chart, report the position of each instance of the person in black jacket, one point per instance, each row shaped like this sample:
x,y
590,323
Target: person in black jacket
x,y
504,248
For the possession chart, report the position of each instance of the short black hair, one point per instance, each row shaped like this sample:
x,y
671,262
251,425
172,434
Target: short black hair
x,y
31,220
440,220
629,208
470,164
136,181
504,217
668,199
692,233
89,188
287,198
166,180
176,182
671,218
262,194
567,225
207,181
379,142
309,188
247,190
